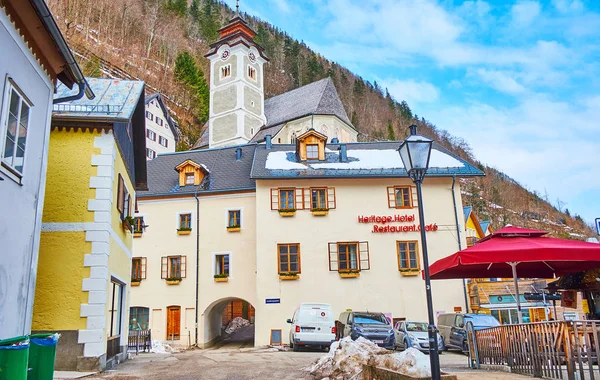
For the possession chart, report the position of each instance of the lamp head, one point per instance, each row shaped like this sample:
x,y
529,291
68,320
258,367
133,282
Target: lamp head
x,y
415,152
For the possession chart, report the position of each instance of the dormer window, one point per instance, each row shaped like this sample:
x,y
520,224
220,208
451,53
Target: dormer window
x,y
225,71
191,173
311,145
251,73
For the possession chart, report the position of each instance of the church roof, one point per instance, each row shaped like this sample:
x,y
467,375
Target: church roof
x,y
317,98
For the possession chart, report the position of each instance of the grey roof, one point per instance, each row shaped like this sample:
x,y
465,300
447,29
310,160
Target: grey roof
x,y
225,173
360,164
172,123
115,99
317,98
202,141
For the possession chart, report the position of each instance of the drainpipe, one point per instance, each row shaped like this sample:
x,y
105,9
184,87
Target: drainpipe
x,y
197,258
44,12
459,243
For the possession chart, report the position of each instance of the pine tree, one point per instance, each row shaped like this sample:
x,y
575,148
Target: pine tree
x,y
92,68
209,20
390,130
195,10
405,112
187,72
178,7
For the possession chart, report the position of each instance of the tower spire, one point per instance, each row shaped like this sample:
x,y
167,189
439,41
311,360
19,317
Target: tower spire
x,y
237,7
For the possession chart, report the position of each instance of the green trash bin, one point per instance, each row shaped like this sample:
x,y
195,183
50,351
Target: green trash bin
x,y
42,352
14,354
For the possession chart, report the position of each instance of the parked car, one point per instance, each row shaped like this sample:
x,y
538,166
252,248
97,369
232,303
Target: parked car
x,y
313,325
453,330
372,326
414,334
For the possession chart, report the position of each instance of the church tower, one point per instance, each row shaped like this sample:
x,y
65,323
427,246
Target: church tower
x,y
237,108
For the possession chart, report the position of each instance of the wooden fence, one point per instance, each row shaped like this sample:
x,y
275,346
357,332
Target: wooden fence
x,y
139,341
552,350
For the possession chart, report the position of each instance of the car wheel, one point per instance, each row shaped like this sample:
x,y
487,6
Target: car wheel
x,y
405,345
295,348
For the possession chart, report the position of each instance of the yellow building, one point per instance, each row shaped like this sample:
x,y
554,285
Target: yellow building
x,y
96,162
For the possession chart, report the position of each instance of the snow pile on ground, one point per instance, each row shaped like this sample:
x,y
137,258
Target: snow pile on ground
x,y
159,347
346,359
236,324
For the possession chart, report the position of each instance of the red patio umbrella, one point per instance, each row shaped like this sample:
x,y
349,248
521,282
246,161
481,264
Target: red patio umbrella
x,y
511,250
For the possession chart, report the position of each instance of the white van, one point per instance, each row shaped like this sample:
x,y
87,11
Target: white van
x,y
313,324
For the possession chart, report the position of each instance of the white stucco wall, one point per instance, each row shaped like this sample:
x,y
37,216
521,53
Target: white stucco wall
x,y
21,203
165,131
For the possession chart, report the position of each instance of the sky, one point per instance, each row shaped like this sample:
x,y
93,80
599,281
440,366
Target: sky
x,y
519,80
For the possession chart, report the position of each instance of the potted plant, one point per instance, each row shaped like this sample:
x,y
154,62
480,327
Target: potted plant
x,y
320,211
234,228
287,212
223,277
349,273
289,276
173,280
409,272
128,223
184,231
136,281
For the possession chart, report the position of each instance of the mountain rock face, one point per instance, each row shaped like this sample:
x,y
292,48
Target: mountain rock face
x,y
163,42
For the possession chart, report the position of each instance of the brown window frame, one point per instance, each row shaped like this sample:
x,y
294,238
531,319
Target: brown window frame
x,y
402,265
142,268
138,226
238,219
408,193
220,263
293,190
363,256
317,152
348,261
166,266
181,220
325,191
288,258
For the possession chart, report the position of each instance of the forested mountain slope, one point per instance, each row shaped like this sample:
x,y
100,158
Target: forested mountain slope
x,y
163,42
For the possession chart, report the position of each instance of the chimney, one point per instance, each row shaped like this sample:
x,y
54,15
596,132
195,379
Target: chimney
x,y
343,153
413,130
335,140
268,141
238,154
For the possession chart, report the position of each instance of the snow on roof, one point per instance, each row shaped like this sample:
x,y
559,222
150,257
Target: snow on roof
x,y
359,159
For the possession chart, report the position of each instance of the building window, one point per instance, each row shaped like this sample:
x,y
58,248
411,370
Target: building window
x,y
234,218
116,308
138,268
139,318
288,258
150,153
185,222
138,226
173,322
400,197
151,135
408,258
349,256
225,71
16,124
252,73
222,265
286,199
123,199
173,267
312,151
318,199
149,115
163,141
189,178
159,121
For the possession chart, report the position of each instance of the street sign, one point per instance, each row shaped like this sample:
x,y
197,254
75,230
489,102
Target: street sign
x,y
272,300
598,226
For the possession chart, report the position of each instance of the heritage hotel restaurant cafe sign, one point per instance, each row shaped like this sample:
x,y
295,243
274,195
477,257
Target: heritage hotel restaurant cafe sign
x,y
381,223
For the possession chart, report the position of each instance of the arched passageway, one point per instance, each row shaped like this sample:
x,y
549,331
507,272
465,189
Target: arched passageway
x,y
219,314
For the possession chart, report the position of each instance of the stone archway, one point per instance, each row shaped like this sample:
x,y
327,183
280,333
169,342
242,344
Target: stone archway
x,y
214,321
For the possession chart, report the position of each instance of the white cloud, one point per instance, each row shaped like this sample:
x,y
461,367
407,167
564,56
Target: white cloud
x,y
413,92
525,12
568,6
281,5
502,81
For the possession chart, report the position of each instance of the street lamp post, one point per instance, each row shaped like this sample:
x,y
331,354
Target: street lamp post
x,y
415,152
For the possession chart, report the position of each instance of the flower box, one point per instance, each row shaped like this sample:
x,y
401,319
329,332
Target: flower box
x,y
173,281
136,282
349,274
184,231
320,212
287,213
410,272
128,223
137,234
288,277
234,229
221,279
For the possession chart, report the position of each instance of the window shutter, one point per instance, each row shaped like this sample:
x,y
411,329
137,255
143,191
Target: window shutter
x,y
129,206
299,193
414,198
331,198
333,257
120,194
164,267
365,260
143,268
274,199
391,197
307,199
183,267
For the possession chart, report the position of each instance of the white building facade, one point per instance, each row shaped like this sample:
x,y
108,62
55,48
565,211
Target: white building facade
x,y
162,132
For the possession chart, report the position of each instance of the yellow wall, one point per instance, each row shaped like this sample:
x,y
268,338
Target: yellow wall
x,y
58,293
125,236
471,224
69,171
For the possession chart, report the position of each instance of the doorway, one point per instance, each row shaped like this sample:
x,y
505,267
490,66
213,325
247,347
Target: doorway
x,y
173,322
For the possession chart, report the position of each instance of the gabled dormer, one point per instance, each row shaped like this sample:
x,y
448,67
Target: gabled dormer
x,y
311,146
191,173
